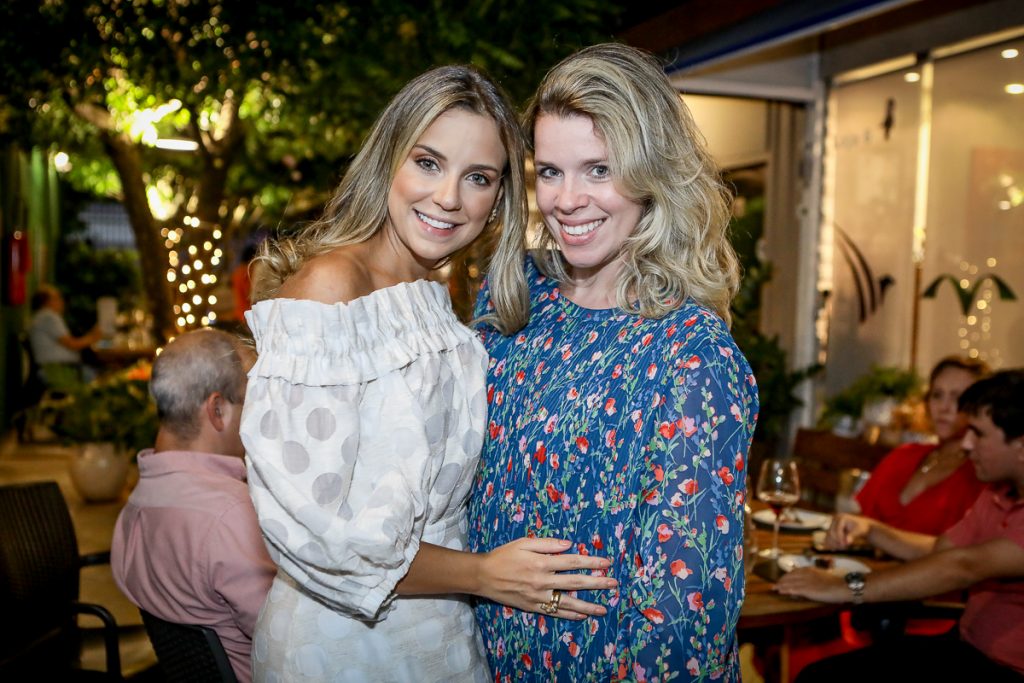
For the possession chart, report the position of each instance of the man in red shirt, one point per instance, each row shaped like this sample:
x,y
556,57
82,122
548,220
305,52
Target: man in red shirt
x,y
983,553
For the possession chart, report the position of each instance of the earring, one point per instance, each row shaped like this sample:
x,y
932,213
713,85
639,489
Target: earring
x,y
494,214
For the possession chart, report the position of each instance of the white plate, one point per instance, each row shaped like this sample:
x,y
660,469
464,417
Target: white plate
x,y
840,565
794,519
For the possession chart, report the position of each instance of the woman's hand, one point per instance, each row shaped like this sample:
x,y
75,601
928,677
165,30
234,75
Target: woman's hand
x,y
524,573
847,530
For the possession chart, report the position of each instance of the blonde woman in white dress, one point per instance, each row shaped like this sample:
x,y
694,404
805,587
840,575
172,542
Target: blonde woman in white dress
x,y
366,411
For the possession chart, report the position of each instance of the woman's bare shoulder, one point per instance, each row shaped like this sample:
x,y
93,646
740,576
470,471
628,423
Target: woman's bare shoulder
x,y
337,276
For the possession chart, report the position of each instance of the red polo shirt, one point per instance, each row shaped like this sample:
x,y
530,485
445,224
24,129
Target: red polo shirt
x,y
994,619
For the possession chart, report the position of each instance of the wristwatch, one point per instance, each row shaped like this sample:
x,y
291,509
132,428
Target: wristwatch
x,y
855,582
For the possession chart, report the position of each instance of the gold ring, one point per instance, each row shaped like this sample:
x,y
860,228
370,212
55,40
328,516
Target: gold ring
x,y
551,606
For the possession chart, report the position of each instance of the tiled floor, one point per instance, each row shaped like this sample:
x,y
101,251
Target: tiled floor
x,y
94,523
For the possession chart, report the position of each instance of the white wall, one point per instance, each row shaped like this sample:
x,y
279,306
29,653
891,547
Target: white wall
x,y
735,128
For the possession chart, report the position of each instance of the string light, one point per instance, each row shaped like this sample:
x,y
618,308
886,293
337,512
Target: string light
x,y
192,274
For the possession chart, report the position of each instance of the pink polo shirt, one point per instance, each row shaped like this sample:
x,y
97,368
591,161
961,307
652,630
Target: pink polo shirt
x,y
993,621
187,547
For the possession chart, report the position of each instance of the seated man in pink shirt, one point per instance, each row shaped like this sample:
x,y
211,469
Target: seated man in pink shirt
x,y
982,553
187,546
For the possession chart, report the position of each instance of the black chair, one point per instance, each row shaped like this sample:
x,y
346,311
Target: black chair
x,y
188,653
39,581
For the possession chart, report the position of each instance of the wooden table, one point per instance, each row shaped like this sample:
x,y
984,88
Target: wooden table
x,y
770,618
117,357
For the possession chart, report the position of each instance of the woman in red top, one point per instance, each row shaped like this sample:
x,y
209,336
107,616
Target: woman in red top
x,y
926,488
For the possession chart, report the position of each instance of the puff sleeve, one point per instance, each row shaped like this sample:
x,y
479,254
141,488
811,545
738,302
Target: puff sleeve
x,y
348,418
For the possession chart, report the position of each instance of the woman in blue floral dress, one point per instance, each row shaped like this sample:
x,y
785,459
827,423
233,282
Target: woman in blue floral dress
x,y
620,416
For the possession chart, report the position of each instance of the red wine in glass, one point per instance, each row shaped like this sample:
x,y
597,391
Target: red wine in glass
x,y
778,501
778,485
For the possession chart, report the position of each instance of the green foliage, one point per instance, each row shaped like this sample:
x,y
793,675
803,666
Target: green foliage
x,y
277,97
85,273
116,409
776,383
879,382
309,77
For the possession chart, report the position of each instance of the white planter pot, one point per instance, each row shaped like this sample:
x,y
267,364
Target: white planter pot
x,y
879,411
99,472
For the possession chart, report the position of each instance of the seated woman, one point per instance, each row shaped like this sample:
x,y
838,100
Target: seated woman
x,y
923,488
926,488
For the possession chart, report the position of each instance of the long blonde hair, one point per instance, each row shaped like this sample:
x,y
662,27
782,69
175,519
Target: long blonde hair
x,y
680,246
359,206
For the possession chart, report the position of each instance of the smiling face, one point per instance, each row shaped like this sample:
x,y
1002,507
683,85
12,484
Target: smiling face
x,y
946,388
995,458
444,191
578,196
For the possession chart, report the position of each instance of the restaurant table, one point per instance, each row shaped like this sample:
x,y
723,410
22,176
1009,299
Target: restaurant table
x,y
769,619
117,357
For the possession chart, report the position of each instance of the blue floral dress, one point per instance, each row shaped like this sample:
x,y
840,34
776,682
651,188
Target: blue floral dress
x,y
629,437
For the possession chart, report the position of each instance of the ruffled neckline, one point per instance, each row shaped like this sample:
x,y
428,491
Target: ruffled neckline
x,y
316,343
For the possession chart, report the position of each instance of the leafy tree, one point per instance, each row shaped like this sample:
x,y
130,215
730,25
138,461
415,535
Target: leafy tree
x,y
275,97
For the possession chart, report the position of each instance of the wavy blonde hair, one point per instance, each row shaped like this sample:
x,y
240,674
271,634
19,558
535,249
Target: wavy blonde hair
x,y
359,207
680,247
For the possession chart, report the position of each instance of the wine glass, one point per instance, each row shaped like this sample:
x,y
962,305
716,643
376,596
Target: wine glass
x,y
778,486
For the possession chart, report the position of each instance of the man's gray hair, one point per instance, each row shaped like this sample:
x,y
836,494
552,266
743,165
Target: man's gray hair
x,y
189,369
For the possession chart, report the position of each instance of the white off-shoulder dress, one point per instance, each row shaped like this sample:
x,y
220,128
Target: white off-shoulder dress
x,y
362,426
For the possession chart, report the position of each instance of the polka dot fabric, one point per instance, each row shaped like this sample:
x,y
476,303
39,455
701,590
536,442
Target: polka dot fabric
x,y
363,424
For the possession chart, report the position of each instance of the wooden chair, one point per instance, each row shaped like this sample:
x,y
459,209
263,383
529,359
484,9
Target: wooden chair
x,y
822,457
39,582
188,653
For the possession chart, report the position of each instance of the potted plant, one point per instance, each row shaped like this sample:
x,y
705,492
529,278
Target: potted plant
x,y
871,399
109,419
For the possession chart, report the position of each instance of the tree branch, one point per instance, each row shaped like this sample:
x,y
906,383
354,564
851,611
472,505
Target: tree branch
x,y
94,114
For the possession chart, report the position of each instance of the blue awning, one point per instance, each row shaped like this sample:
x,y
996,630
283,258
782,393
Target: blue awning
x,y
786,22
